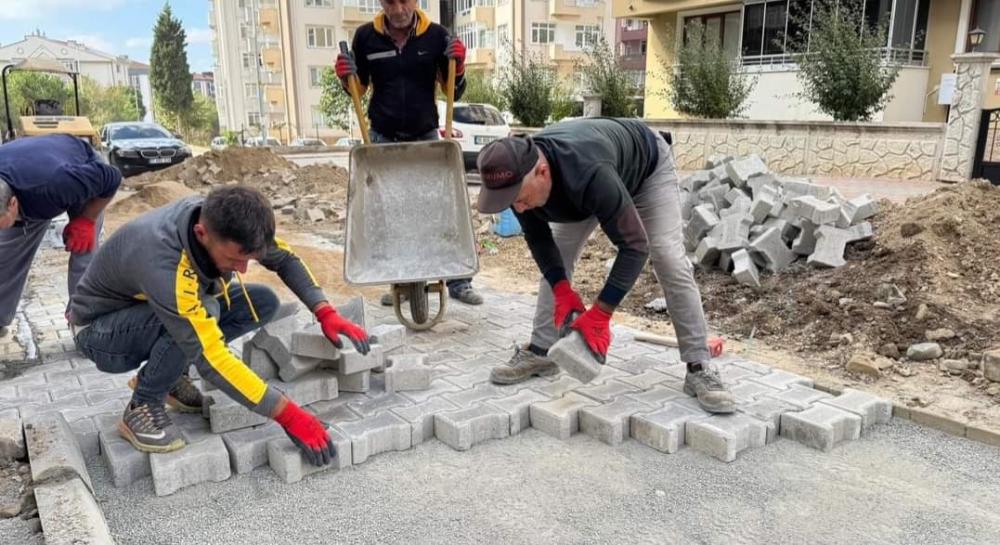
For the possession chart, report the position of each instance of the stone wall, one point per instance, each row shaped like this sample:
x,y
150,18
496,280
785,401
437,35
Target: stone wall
x,y
910,151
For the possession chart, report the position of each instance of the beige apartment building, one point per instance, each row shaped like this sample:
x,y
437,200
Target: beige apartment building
x,y
557,31
269,57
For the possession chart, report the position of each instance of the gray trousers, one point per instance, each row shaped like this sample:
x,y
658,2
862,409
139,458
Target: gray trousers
x,y
658,204
18,245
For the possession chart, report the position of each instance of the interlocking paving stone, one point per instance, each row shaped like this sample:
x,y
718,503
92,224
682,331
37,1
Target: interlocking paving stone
x,y
226,414
518,408
462,428
421,417
821,426
749,391
389,336
645,380
606,392
85,431
725,436
610,422
294,367
384,432
782,380
378,403
203,461
248,448
318,385
311,342
657,396
53,450
478,394
71,402
799,396
438,386
560,417
872,409
769,411
287,462
357,383
559,387
125,464
662,429
407,372
470,379
352,362
70,514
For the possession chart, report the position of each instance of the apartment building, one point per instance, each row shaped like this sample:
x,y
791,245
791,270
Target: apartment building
x,y
203,83
138,77
922,36
630,41
106,69
270,55
557,31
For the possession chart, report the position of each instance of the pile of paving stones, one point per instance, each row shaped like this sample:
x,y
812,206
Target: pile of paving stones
x,y
740,217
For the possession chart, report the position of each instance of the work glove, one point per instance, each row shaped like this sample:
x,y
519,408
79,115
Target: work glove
x,y
595,326
308,433
567,301
715,345
78,236
334,325
456,50
345,67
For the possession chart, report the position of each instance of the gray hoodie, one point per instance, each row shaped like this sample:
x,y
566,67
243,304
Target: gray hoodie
x,y
149,261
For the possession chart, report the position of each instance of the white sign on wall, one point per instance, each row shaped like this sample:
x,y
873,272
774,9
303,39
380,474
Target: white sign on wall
x,y
946,90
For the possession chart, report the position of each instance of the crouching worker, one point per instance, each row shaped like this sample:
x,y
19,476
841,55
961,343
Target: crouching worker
x,y
160,291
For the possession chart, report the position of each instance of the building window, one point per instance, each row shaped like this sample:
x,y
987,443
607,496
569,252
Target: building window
x,y
319,3
253,119
586,35
248,61
367,6
465,6
503,33
244,32
319,36
251,91
722,28
318,119
543,33
635,24
316,75
587,3
986,15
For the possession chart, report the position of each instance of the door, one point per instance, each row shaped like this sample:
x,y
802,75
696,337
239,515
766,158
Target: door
x,y
987,164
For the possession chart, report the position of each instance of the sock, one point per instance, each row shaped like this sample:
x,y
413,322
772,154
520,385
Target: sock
x,y
695,366
538,351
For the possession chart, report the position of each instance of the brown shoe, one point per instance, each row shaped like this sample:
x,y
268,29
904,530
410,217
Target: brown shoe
x,y
184,397
523,365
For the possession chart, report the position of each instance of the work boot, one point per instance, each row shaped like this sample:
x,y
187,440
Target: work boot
x,y
149,429
705,384
387,299
465,293
184,397
523,365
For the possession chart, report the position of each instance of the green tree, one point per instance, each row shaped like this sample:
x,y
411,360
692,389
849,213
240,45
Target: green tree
x,y
841,66
197,125
705,82
527,86
564,105
26,87
335,104
604,76
169,72
104,105
480,88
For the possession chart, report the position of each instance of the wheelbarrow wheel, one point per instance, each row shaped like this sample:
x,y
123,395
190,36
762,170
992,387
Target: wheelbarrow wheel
x,y
419,310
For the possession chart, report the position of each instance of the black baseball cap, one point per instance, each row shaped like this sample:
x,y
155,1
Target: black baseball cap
x,y
503,164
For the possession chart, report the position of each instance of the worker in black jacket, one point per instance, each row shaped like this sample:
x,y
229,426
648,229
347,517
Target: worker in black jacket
x,y
402,55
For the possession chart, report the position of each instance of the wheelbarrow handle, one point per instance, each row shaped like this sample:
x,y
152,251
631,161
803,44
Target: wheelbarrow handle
x,y
354,88
450,94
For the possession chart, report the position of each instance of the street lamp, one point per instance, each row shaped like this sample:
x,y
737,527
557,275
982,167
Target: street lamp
x,y
976,36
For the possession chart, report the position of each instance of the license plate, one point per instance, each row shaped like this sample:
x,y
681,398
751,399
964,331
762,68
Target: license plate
x,y
483,140
159,160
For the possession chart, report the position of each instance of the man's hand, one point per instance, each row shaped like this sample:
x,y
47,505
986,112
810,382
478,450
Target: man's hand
x,y
595,326
308,433
79,235
567,301
345,67
334,325
456,50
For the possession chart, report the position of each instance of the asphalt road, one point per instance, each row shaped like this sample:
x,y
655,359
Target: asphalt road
x,y
902,484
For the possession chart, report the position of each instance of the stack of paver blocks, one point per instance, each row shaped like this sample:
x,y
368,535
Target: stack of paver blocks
x,y
739,216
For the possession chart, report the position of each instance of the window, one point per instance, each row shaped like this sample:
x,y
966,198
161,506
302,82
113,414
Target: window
x,y
318,119
586,35
503,33
244,33
316,75
543,33
253,119
251,91
635,24
722,28
764,28
319,36
319,3
586,3
370,6
986,15
248,61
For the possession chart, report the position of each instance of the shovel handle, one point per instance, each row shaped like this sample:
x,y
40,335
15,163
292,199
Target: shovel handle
x,y
354,88
449,114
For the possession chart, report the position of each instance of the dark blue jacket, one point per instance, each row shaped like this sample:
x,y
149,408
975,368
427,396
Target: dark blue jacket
x,y
55,173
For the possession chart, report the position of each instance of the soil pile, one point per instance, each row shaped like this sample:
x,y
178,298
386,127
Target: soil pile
x,y
149,197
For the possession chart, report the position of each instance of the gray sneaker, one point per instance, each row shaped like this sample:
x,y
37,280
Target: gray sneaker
x,y
706,385
184,397
149,429
523,365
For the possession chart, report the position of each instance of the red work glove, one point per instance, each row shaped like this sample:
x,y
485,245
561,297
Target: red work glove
x,y
308,433
595,326
456,50
79,235
334,325
567,301
715,345
345,67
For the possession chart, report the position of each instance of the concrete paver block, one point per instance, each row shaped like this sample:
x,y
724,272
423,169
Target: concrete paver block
x,y
574,357
70,514
663,428
257,360
815,210
769,411
204,461
610,422
658,396
469,379
696,180
518,408
707,253
861,208
805,242
318,385
477,394
354,310
782,379
559,417
799,396
609,391
389,336
125,464
11,436
248,448
383,432
86,434
872,409
861,231
830,245
438,386
716,195
765,198
559,387
645,380
296,366
821,426
462,428
724,437
53,451
771,247
701,222
287,462
312,343
421,417
744,269
358,382
352,362
748,391
407,372
731,232
741,170
226,414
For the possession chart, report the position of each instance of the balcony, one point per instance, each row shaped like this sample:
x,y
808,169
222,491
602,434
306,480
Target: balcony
x,y
632,62
481,57
629,35
575,9
352,15
269,20
275,95
486,15
272,58
557,53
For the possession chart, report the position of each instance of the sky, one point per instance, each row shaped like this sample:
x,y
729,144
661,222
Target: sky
x,y
121,27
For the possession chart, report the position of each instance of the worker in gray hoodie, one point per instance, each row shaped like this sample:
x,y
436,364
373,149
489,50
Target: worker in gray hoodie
x,y
161,290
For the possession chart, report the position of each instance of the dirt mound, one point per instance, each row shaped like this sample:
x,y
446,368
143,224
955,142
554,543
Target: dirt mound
x,y
215,167
149,197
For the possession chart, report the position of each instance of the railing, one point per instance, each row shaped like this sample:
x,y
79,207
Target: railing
x,y
905,57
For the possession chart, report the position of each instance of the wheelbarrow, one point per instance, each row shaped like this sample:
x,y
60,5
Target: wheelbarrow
x,y
408,217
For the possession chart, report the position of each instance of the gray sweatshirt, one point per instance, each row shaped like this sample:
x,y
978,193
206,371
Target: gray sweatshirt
x,y
149,261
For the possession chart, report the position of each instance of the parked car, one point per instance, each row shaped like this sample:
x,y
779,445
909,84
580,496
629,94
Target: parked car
x,y
347,142
257,142
474,126
307,143
139,147
219,143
